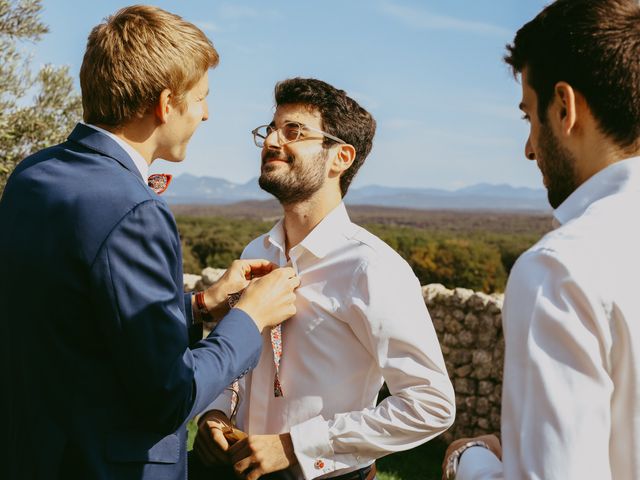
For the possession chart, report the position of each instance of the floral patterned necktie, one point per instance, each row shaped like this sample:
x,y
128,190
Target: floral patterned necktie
x,y
276,345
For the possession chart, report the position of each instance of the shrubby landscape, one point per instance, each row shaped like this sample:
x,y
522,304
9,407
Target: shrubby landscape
x,y
473,250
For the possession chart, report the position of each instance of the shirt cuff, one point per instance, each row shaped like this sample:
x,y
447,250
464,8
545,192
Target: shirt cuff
x,y
313,448
478,463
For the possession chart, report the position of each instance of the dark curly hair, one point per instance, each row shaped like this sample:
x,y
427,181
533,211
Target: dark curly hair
x,y
341,117
593,45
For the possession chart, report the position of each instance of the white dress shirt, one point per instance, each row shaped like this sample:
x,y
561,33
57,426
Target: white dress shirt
x,y
361,318
571,393
140,163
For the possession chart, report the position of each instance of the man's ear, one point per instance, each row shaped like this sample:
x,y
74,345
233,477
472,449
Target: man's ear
x,y
344,158
567,108
163,106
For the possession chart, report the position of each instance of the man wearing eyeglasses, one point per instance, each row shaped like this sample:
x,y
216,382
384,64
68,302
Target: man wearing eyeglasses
x,y
309,407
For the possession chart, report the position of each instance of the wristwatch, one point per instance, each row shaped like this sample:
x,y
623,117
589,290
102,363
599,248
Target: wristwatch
x,y
451,469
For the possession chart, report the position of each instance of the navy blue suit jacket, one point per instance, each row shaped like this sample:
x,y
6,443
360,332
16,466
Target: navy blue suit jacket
x,y
99,374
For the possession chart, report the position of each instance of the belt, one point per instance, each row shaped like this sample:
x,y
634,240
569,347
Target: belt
x,y
366,473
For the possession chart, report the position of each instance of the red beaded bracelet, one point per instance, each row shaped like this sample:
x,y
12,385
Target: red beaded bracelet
x,y
201,306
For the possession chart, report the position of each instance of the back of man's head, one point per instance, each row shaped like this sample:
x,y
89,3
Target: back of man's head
x,y
136,54
593,45
341,117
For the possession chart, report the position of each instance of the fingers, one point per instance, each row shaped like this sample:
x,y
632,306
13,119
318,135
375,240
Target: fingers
x,y
253,268
287,271
205,450
255,474
210,450
240,457
265,268
220,446
259,268
288,276
285,277
248,469
258,455
239,450
242,469
233,435
294,282
217,435
270,300
202,452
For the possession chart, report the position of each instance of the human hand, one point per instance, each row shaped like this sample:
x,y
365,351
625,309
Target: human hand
x,y
270,299
490,440
236,278
258,455
210,443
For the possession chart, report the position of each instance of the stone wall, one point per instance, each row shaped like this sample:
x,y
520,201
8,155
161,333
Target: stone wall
x,y
469,327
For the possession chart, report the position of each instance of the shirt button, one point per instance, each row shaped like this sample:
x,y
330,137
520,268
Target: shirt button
x,y
319,464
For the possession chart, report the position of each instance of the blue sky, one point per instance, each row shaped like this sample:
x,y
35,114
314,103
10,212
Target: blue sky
x,y
429,71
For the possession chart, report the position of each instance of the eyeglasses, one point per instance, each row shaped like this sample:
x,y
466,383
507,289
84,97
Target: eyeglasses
x,y
287,133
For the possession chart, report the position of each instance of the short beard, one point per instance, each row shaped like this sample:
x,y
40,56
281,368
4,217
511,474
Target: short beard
x,y
558,167
296,185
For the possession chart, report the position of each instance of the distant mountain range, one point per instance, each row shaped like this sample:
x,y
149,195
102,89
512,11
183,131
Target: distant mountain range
x,y
190,189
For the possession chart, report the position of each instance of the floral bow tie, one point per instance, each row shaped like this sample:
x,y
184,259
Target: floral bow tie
x,y
158,182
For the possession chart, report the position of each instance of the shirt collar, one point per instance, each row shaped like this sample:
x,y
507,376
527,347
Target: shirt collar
x,y
617,177
326,236
140,163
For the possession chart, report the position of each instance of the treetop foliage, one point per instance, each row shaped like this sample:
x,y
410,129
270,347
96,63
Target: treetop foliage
x,y
26,128
477,258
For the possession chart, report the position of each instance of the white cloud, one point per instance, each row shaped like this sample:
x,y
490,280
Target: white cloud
x,y
238,11
402,124
419,18
208,26
232,11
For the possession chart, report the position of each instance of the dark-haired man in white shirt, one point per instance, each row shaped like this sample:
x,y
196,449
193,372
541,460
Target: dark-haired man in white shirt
x,y
361,318
571,393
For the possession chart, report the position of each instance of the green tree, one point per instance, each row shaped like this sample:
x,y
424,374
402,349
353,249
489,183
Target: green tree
x,y
26,128
456,262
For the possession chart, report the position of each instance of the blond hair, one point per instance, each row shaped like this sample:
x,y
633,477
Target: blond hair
x,y
136,54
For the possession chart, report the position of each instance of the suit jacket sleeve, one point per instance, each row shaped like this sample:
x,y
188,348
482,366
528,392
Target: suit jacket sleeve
x,y
139,304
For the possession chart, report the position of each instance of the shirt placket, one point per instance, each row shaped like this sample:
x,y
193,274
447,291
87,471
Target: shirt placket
x,y
276,332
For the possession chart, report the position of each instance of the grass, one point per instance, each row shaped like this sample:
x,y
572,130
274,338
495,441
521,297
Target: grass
x,y
421,462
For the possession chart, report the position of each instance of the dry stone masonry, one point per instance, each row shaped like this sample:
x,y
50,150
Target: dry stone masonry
x,y
469,327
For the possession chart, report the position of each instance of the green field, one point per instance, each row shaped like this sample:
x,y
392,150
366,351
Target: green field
x,y
457,249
